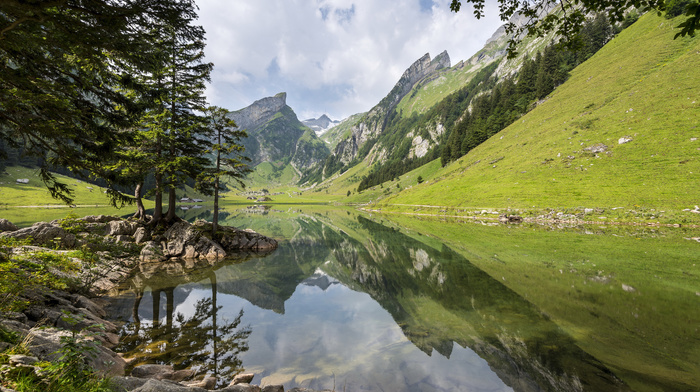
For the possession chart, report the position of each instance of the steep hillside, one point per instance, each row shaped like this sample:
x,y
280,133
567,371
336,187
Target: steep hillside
x,y
278,143
407,127
622,132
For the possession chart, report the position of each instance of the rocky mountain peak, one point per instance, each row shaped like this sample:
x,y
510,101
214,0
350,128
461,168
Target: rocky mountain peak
x,y
320,125
260,111
423,67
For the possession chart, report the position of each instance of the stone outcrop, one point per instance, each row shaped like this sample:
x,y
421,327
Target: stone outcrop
x,y
6,225
44,233
193,241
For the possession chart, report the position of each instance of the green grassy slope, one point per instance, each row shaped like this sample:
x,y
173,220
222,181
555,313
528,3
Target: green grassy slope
x,y
643,85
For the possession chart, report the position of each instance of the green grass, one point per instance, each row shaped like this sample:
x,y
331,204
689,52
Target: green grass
x,y
35,193
642,85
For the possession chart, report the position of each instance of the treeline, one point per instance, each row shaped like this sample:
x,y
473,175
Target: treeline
x,y
514,96
113,91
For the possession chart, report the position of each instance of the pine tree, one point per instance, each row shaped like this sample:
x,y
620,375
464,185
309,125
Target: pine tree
x,y
228,159
172,124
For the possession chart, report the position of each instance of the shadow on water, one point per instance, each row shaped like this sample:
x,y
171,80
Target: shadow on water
x,y
433,297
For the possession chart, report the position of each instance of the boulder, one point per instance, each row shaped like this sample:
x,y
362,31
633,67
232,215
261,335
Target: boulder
x,y
153,385
121,227
243,378
125,384
6,225
188,241
208,383
142,235
233,240
273,388
151,371
151,252
45,234
46,342
99,218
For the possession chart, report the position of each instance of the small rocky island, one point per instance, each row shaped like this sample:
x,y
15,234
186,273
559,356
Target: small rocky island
x,y
85,258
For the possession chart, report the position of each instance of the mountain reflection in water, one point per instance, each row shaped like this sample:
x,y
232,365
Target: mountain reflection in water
x,y
362,307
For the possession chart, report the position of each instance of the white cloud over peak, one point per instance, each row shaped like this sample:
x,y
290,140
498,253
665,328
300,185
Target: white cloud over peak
x,y
338,57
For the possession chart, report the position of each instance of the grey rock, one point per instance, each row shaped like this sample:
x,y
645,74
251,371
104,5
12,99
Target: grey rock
x,y
125,384
243,378
15,360
151,370
597,148
43,233
151,252
241,388
121,227
273,388
80,301
188,241
99,218
142,235
6,225
153,385
45,344
208,383
122,238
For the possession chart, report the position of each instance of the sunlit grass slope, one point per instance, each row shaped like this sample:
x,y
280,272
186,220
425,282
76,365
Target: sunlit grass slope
x,y
642,86
35,193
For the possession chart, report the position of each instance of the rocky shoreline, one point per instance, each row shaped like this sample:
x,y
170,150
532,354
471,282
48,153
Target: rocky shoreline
x,y
121,246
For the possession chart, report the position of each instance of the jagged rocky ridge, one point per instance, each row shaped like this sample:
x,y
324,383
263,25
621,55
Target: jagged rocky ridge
x,y
320,125
275,134
371,125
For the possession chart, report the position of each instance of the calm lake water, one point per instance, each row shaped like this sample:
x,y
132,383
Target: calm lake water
x,y
354,302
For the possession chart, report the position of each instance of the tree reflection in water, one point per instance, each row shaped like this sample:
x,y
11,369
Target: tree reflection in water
x,y
202,342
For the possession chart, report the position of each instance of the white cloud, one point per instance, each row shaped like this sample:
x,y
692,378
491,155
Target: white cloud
x,y
334,56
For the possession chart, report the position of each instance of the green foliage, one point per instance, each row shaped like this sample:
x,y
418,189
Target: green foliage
x,y
568,19
33,271
64,72
420,179
72,224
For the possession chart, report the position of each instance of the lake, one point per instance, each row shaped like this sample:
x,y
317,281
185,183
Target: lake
x,y
357,302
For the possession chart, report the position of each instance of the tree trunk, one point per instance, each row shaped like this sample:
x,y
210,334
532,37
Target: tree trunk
x,y
215,219
158,208
140,209
171,217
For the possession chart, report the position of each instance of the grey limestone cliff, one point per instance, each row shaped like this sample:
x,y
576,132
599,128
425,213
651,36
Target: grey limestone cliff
x,y
275,134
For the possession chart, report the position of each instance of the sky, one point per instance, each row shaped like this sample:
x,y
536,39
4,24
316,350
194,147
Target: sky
x,y
335,57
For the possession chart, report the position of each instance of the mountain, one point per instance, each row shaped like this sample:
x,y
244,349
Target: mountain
x,y
621,132
371,125
320,125
278,144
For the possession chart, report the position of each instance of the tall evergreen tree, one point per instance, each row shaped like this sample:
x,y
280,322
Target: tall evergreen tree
x,y
174,125
63,66
228,159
